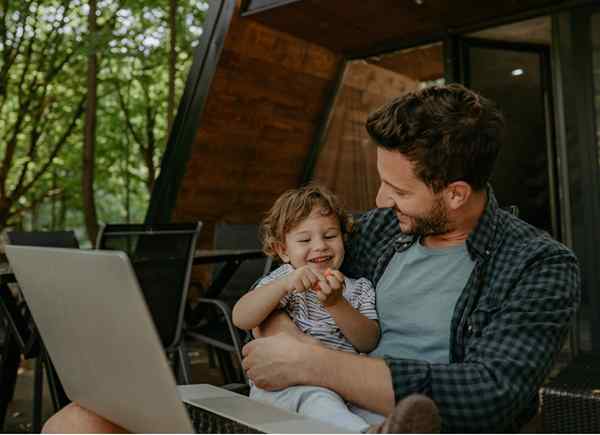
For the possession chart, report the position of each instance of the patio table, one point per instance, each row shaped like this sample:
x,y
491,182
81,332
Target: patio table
x,y
231,257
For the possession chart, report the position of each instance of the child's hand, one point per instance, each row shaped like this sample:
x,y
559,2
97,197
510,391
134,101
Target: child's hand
x,y
301,279
330,290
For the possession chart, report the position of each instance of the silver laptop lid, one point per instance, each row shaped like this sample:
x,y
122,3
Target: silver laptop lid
x,y
95,324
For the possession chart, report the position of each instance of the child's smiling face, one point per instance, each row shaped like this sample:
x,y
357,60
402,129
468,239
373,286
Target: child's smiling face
x,y
316,241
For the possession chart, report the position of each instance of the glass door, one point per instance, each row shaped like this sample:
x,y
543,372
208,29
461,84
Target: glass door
x,y
516,77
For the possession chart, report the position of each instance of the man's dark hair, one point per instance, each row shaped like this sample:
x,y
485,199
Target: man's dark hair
x,y
449,133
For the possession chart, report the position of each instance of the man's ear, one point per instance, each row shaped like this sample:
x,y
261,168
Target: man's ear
x,y
281,251
456,194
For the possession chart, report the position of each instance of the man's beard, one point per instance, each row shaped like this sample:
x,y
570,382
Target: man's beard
x,y
433,223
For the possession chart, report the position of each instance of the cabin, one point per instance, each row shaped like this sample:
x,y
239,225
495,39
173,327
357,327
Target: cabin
x,y
279,91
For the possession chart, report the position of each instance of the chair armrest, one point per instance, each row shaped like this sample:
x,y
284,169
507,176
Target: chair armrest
x,y
233,330
216,302
19,324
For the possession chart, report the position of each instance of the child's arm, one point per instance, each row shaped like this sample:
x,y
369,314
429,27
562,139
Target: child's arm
x,y
361,331
256,305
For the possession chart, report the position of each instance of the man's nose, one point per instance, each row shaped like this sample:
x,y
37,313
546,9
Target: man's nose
x,y
382,200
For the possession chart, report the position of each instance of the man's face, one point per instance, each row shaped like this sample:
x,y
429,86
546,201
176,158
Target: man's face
x,y
419,210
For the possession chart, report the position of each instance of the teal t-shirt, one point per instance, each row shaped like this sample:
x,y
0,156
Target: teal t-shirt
x,y
415,300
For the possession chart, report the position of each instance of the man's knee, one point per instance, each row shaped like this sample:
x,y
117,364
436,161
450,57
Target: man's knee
x,y
75,419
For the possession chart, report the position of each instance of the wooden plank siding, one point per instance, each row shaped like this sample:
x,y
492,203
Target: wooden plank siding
x,y
261,117
423,63
348,161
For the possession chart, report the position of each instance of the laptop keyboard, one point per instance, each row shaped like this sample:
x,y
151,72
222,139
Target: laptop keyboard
x,y
207,422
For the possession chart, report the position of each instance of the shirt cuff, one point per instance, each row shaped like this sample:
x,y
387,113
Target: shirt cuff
x,y
409,376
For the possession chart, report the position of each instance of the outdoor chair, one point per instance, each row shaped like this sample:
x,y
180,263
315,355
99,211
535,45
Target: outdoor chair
x,y
161,256
23,337
571,400
215,328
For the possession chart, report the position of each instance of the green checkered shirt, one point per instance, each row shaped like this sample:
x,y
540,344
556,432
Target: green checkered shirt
x,y
508,323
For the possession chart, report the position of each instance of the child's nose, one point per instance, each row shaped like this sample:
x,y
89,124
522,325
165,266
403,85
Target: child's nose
x,y
320,244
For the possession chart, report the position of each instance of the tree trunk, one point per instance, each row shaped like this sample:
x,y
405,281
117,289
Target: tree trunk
x,y
89,205
127,180
34,218
62,214
172,64
53,207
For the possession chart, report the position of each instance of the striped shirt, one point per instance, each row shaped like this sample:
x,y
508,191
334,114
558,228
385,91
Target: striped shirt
x,y
311,317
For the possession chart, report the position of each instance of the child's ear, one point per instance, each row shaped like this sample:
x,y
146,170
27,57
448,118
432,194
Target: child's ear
x,y
282,252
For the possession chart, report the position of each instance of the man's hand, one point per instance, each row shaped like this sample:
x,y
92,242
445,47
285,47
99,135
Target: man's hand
x,y
330,290
277,362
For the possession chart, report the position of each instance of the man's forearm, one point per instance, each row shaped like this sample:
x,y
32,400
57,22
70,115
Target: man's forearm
x,y
362,380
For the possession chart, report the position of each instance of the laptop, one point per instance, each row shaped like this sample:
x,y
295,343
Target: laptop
x,y
94,322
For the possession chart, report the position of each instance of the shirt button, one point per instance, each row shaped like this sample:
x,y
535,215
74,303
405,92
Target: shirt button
x,y
469,329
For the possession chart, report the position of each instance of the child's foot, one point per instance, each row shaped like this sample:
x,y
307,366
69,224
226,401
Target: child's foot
x,y
413,414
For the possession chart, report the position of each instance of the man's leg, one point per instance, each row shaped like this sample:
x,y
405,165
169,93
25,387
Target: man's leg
x,y
325,405
75,419
413,414
369,416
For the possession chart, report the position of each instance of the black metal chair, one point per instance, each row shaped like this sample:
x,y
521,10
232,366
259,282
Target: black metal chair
x,y
23,337
215,327
161,256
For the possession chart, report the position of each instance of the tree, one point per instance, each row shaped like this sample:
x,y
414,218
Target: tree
x,y
44,79
37,56
172,62
88,163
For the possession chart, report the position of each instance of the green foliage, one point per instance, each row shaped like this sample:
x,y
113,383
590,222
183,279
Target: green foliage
x,y
43,61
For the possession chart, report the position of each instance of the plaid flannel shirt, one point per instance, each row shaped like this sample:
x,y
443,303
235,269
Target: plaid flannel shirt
x,y
508,323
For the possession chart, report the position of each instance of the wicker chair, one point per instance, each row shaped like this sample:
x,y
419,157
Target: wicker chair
x,y
571,401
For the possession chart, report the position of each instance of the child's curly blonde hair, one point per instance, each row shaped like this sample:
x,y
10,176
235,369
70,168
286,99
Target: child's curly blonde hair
x,y
295,205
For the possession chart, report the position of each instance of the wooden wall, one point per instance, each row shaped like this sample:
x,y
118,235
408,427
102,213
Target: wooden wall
x,y
260,119
422,63
347,162
261,116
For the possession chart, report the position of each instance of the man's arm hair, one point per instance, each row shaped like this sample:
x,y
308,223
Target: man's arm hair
x,y
362,380
280,361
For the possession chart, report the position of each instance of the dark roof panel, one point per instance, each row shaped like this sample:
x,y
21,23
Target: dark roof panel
x,y
359,27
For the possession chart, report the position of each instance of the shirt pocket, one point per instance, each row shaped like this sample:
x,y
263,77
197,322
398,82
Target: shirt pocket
x,y
480,318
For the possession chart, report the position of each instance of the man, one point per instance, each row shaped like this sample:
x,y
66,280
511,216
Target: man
x,y
473,302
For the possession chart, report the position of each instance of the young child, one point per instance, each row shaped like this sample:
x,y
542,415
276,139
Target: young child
x,y
306,228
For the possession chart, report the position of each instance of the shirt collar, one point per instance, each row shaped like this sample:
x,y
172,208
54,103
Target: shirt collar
x,y
482,240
